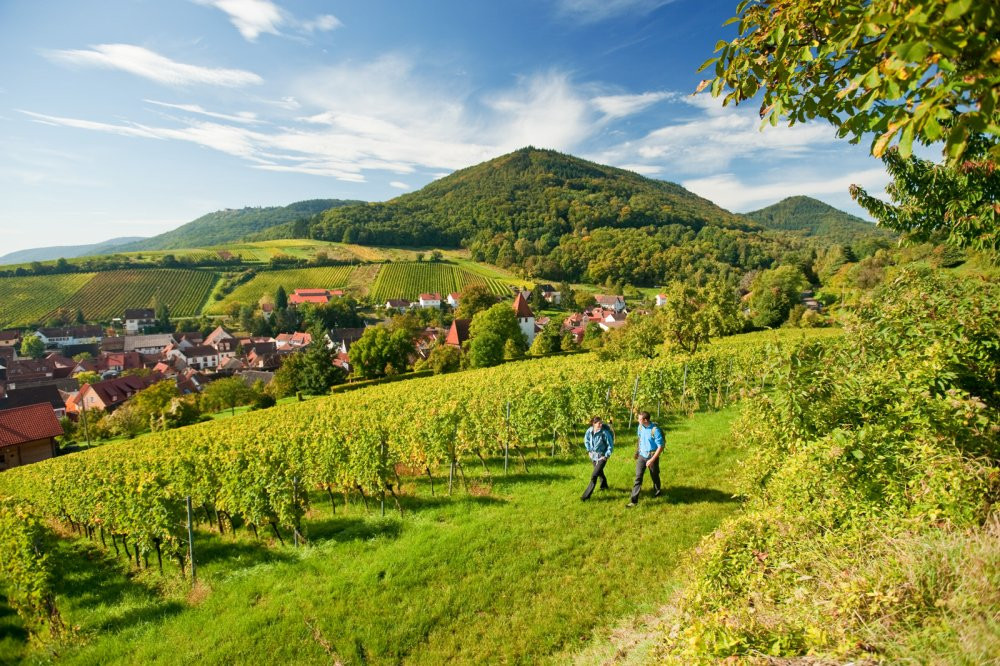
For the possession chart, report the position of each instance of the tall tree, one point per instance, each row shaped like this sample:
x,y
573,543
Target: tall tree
x,y
381,351
32,346
280,298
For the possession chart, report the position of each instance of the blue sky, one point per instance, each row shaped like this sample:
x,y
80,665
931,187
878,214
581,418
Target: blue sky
x,y
130,117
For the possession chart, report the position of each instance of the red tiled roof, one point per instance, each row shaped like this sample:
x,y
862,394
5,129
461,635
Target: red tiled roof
x,y
118,390
521,307
317,296
430,297
25,424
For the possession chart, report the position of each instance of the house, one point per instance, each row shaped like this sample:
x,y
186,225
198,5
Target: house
x,y
661,300
454,298
148,344
611,325
292,341
10,338
613,302
220,333
72,335
27,435
251,377
550,294
138,319
399,304
458,333
343,338
226,348
810,301
189,337
430,300
202,357
313,296
35,395
110,394
525,317
118,361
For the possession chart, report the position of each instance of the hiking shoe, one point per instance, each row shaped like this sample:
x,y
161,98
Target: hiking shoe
x,y
657,492
629,505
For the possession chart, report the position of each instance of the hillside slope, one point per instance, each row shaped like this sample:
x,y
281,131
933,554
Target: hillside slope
x,y
66,251
530,192
812,217
224,226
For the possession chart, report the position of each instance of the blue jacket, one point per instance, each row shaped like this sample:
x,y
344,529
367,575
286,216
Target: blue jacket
x,y
650,439
599,444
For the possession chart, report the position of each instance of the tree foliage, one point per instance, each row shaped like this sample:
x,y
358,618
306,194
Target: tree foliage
x,y
773,293
32,346
905,70
381,351
958,203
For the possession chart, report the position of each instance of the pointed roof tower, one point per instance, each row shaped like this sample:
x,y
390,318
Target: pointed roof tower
x,y
521,307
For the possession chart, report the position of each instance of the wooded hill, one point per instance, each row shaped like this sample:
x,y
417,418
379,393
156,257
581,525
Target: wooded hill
x,y
532,193
66,251
812,217
226,226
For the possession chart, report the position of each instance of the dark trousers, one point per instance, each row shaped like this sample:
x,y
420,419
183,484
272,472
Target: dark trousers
x,y
598,473
640,471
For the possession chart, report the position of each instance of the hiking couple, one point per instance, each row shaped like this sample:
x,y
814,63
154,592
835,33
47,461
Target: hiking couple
x,y
600,442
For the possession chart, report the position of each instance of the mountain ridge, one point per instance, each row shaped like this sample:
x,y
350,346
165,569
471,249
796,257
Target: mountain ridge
x,y
50,252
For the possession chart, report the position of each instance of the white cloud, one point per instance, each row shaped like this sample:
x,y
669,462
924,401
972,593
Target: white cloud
x,y
153,66
251,17
256,17
619,106
323,23
706,138
399,185
591,11
731,192
242,117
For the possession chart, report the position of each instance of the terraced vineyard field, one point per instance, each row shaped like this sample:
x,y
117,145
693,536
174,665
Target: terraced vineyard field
x,y
410,279
26,300
267,282
108,294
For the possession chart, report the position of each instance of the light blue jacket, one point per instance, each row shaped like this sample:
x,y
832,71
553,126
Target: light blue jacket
x,y
650,439
599,444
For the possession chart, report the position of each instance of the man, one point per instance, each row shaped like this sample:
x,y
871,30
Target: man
x,y
599,442
647,456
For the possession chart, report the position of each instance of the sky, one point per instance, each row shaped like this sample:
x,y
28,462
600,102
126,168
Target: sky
x,y
131,117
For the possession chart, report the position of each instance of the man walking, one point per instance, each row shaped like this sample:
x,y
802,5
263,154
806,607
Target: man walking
x,y
600,442
647,456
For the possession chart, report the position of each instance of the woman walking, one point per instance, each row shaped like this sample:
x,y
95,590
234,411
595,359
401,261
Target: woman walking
x,y
600,442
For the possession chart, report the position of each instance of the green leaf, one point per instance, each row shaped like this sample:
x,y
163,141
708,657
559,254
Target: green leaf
x,y
956,9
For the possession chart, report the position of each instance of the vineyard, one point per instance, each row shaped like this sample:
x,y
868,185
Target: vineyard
x,y
265,283
26,300
410,279
109,293
258,470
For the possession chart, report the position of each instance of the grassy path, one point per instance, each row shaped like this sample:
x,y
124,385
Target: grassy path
x,y
517,571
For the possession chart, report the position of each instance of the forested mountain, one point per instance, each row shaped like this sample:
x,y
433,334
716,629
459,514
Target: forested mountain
x,y
225,226
811,217
65,251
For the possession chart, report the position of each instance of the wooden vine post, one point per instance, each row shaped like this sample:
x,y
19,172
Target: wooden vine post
x,y
190,529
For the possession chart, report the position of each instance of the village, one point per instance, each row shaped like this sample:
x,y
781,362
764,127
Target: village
x,y
58,380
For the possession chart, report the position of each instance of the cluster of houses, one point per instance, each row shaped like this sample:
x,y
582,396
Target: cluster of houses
x,y
35,393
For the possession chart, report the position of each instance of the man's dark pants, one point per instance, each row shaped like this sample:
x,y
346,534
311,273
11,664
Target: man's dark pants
x,y
640,471
597,474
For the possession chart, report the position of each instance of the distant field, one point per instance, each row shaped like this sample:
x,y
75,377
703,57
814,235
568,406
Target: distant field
x,y
408,280
108,294
25,300
267,282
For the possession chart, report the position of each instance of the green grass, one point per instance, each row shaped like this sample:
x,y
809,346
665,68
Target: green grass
x,y
108,294
266,283
518,570
24,300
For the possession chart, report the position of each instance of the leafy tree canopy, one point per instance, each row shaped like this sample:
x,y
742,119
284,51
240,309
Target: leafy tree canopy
x,y
905,70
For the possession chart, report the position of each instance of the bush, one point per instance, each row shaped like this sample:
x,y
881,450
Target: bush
x,y
871,444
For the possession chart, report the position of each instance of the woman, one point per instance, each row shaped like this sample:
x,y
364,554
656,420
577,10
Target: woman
x,y
600,442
